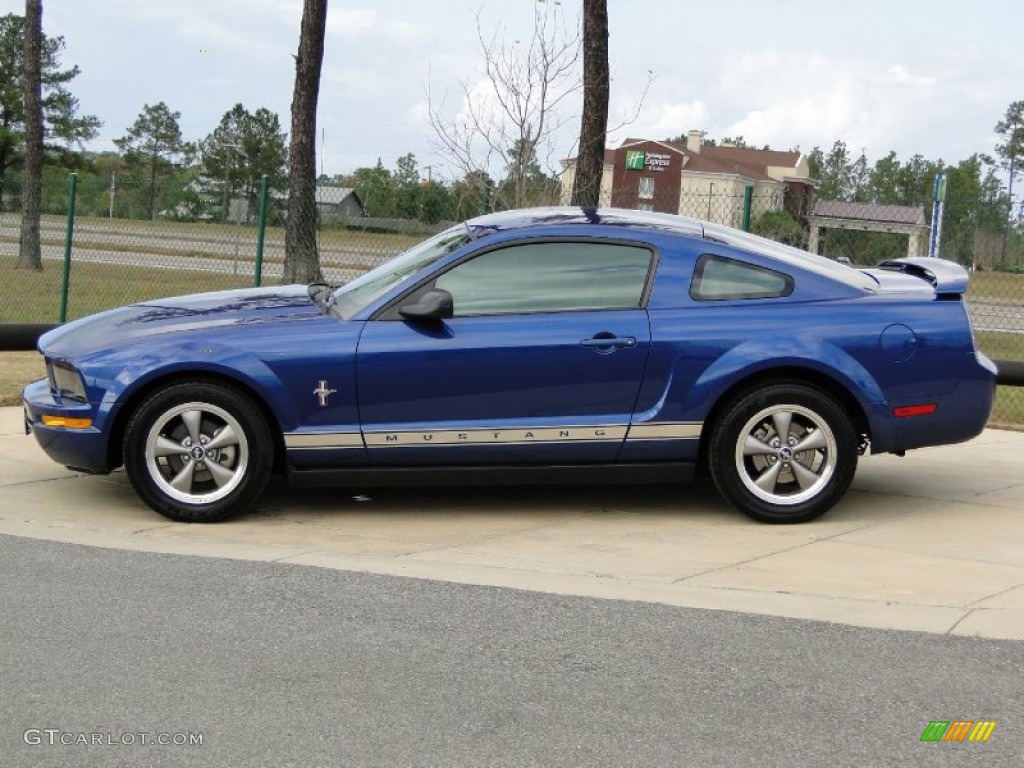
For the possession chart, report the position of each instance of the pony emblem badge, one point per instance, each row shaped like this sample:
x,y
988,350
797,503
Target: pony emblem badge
x,y
322,393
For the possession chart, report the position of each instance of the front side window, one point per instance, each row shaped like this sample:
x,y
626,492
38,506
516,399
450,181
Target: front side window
x,y
717,278
357,294
549,277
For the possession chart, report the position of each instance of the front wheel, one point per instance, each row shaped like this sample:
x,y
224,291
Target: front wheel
x,y
785,453
198,451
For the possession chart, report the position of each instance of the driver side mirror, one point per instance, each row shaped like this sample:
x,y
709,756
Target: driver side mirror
x,y
435,304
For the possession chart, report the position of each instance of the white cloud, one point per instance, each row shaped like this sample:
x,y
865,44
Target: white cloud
x,y
480,108
419,114
900,75
934,83
788,99
679,118
669,119
216,82
352,79
368,22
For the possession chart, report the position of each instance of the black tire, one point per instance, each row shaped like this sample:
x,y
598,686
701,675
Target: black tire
x,y
222,476
756,467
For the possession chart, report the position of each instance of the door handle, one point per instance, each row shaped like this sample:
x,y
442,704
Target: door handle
x,y
608,341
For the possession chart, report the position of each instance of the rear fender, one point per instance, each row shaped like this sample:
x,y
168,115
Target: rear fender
x,y
758,358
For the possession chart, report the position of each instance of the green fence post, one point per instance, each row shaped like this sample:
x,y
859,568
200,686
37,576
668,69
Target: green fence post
x,y
261,230
68,234
748,199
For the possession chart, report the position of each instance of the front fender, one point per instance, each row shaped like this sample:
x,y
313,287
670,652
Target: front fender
x,y
119,382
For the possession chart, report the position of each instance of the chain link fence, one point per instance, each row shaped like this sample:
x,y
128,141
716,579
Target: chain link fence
x,y
121,253
980,239
132,241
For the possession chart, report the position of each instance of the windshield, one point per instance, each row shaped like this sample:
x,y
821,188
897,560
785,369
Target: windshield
x,y
359,293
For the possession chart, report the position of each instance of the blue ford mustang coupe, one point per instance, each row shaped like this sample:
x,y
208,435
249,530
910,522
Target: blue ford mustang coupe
x,y
563,343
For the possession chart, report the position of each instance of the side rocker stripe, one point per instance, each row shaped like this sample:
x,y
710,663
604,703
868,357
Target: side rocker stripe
x,y
500,436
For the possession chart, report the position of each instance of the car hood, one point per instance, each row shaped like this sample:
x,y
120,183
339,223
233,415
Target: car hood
x,y
197,312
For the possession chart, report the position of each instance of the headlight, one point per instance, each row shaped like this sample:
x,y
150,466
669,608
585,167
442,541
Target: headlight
x,y
66,381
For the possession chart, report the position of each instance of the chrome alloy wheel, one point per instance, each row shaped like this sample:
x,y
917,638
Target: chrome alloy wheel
x,y
197,453
786,454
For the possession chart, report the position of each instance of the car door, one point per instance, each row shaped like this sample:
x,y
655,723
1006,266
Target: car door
x,y
541,360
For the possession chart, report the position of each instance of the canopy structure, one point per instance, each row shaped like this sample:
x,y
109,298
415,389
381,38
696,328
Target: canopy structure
x,y
898,219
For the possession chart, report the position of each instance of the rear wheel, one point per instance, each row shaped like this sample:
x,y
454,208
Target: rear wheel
x,y
198,451
785,453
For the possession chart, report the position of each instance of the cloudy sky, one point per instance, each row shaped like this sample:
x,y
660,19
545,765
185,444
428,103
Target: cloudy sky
x,y
928,76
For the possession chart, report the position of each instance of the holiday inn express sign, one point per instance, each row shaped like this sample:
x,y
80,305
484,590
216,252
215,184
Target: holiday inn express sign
x,y
634,159
638,160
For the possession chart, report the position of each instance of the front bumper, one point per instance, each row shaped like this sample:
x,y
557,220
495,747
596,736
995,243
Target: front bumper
x,y
80,449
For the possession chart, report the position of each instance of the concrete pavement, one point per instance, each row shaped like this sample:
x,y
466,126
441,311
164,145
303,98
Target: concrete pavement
x,y
932,542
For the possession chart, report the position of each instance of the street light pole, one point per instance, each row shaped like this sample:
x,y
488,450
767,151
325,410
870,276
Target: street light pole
x,y
112,192
227,201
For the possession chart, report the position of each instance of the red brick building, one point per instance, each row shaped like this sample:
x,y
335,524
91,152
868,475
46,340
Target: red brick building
x,y
699,180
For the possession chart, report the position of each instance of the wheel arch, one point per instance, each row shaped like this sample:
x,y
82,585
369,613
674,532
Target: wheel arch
x,y
124,413
828,385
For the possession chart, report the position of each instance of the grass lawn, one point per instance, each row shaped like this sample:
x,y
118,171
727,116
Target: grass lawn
x,y
996,285
201,239
1009,410
16,370
34,297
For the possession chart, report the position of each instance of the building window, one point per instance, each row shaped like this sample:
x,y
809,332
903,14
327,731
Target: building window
x,y
646,188
644,207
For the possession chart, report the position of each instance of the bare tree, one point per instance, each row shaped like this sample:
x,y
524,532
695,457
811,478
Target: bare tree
x,y
29,254
586,189
301,259
513,112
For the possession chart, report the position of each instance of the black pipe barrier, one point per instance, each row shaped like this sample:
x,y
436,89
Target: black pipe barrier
x,y
21,337
1009,373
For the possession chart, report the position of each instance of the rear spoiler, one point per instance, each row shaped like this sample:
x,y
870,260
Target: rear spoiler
x,y
947,277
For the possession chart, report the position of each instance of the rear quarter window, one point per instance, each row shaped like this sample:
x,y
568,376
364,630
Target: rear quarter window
x,y
717,278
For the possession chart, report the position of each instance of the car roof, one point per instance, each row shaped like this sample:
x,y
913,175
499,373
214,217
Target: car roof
x,y
530,218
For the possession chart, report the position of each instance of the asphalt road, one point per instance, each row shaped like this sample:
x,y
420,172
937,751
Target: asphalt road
x,y
334,271
278,665
341,260
997,315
